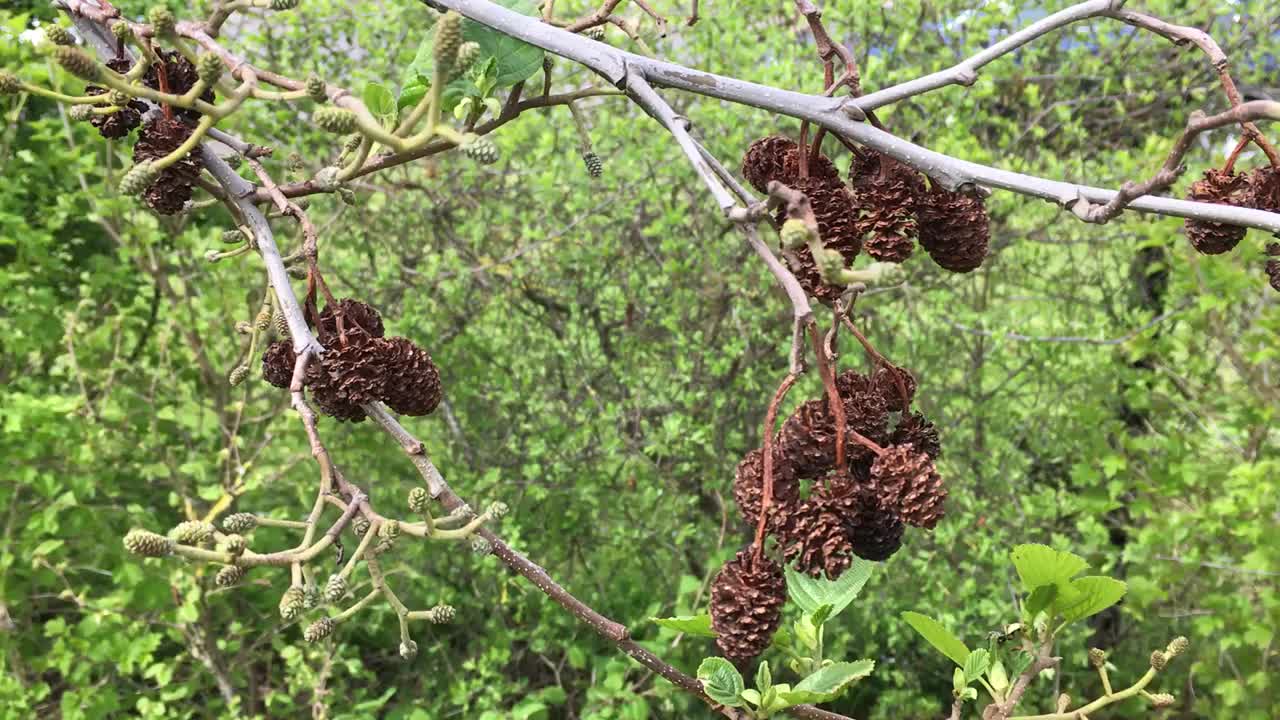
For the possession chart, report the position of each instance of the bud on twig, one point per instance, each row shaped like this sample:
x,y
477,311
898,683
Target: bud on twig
x,y
147,543
1097,657
1162,700
448,40
498,510
595,166
291,603
117,98
408,649
1159,660
138,178
441,614
77,62
59,35
594,33
280,5
234,545
468,53
334,120
121,30
316,89
1177,646
480,149
210,68
9,83
794,234
192,532
418,498
389,529
238,375
239,523
480,546
80,113
162,20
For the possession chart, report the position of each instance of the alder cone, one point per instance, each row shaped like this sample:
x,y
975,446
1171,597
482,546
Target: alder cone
x,y
873,534
886,193
122,122
331,404
766,160
953,229
808,437
916,430
906,483
1264,188
748,485
180,76
358,319
746,605
277,363
815,538
1273,265
351,374
412,379
892,382
172,189
1213,238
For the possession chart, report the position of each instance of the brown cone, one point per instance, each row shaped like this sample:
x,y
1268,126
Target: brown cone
x,y
1212,238
413,380
808,438
886,192
746,605
748,485
357,319
1264,188
180,76
766,160
122,122
873,533
172,189
1273,265
916,430
954,229
906,483
815,538
892,382
351,374
277,363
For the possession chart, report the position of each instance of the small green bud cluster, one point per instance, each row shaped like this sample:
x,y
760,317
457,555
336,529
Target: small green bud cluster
x,y
291,603
594,33
480,546
595,166
389,529
229,575
498,510
794,234
448,40
334,120
77,62
192,532
281,323
279,5
347,195
238,375
80,113
298,272
121,30
1177,646
210,68
9,83
240,523
1097,657
468,53
234,544
147,543
319,630
335,589
360,525
311,597
244,327
138,178
162,20
316,88
480,149
117,98
59,35
326,179
1159,659
418,498
1162,700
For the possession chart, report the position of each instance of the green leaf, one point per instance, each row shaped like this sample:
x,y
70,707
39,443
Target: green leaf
x,y
764,678
938,636
411,94
998,677
752,696
811,593
976,664
1092,595
1020,662
958,680
699,625
721,681
515,60
1039,599
379,100
828,683
820,615
1039,565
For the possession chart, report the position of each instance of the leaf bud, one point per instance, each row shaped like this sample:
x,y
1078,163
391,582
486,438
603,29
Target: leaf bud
x,y
59,35
1097,657
334,120
234,544
162,20
418,499
480,546
1159,659
210,67
9,83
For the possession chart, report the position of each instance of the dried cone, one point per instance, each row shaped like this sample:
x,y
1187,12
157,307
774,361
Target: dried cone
x,y
122,122
896,385
815,538
766,160
1212,238
172,189
906,483
808,437
873,533
746,605
351,374
357,319
916,430
180,76
953,229
413,380
886,192
277,363
1264,188
1273,265
748,485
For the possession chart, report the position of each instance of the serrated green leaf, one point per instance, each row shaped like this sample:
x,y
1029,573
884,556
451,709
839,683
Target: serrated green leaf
x,y
699,625
379,99
821,615
1039,565
827,683
721,681
764,677
938,636
515,60
1091,595
1039,599
976,664
811,593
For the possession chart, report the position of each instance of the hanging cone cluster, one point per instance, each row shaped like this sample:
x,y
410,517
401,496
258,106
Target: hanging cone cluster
x,y
160,136
1223,188
180,76
121,122
954,228
1264,188
885,191
905,482
746,605
748,485
359,366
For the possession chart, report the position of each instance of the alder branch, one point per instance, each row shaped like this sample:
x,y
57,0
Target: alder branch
x,y
837,115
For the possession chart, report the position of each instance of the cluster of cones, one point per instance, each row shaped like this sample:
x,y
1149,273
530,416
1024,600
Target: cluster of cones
x,y
161,133
359,366
1258,189
884,211
889,480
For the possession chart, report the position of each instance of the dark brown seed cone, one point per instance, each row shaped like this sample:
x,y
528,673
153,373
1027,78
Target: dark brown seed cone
x,y
1212,238
413,380
351,374
886,192
181,76
1273,272
357,319
748,485
159,137
873,533
335,407
815,539
1264,188
906,483
766,160
277,363
953,229
886,381
916,430
808,437
121,123
866,410
746,605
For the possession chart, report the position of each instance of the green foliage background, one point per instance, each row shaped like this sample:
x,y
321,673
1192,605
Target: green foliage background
x,y
608,348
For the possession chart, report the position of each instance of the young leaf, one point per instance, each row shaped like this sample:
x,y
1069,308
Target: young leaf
x,y
1020,662
411,94
976,664
1093,594
820,615
1039,565
958,681
516,60
752,696
379,100
828,683
764,678
1039,599
810,593
721,681
998,678
938,636
699,625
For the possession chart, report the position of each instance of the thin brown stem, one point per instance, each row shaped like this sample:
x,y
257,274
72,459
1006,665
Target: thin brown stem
x,y
766,498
